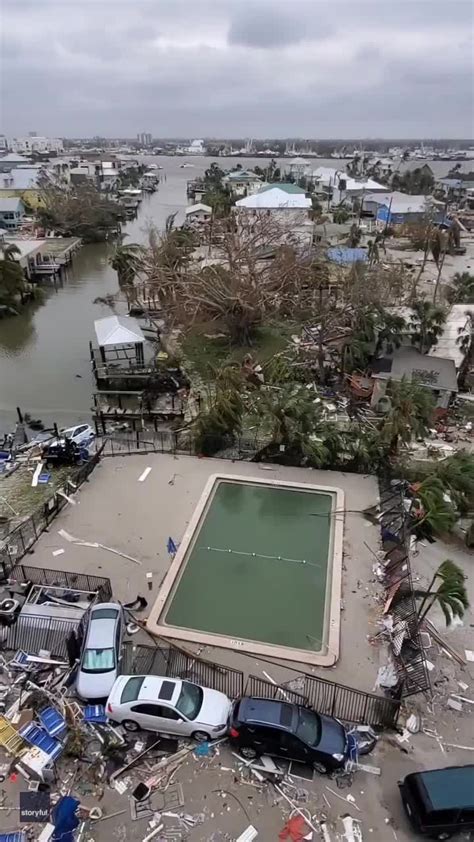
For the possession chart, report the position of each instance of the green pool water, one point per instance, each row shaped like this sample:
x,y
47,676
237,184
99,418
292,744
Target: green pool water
x,y
249,592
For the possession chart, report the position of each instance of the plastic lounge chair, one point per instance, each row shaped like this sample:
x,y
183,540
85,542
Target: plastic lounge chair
x,y
95,713
52,721
35,736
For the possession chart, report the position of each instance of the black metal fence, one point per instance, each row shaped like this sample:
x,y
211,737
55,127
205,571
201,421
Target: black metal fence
x,y
257,686
327,697
17,543
63,579
332,699
409,654
167,441
33,633
171,661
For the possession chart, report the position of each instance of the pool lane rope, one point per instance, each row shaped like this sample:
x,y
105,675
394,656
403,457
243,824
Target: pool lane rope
x,y
260,555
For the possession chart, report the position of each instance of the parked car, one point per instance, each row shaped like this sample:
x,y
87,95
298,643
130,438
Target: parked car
x,y
80,434
264,726
169,706
101,651
440,802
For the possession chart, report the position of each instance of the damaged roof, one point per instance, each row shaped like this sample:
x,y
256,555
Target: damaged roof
x,y
435,372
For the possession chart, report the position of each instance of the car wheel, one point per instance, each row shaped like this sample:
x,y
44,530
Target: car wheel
x,y
321,768
248,752
201,736
130,725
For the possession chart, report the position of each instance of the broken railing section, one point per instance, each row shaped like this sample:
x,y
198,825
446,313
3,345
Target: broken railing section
x,y
407,673
325,696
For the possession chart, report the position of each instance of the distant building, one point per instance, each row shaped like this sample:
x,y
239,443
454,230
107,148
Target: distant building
x,y
12,211
438,374
22,183
399,208
196,147
285,206
144,139
198,214
343,187
243,182
11,161
40,145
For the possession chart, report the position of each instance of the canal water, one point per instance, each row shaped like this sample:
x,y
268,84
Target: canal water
x,y
44,352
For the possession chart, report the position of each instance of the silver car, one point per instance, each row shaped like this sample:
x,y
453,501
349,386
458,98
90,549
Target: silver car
x,y
169,706
101,652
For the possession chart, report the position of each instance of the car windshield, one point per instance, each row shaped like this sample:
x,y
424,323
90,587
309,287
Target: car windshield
x,y
190,700
98,660
308,728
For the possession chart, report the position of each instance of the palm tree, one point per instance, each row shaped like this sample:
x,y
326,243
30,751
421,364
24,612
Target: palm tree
x,y
450,593
220,416
461,289
426,324
456,475
12,278
295,422
126,260
438,512
410,414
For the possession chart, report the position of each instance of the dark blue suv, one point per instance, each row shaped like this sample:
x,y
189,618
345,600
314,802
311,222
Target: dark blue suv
x,y
264,726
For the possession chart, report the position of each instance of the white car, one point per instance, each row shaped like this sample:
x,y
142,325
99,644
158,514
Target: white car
x,y
80,434
101,652
169,706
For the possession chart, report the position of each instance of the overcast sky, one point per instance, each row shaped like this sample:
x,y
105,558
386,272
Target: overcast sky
x,y
242,68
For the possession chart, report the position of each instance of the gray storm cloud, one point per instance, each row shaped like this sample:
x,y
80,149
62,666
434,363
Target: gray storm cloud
x,y
237,68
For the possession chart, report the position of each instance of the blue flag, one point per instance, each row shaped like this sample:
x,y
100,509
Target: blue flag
x,y
172,548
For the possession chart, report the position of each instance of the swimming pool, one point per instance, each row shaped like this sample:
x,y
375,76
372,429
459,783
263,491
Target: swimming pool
x,y
258,569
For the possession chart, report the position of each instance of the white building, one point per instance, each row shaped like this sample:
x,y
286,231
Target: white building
x,y
285,206
243,182
196,147
343,186
34,143
198,214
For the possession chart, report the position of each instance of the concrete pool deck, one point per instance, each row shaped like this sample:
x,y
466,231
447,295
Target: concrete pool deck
x,y
137,518
269,614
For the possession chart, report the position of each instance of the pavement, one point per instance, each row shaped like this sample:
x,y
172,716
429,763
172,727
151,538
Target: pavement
x,y
220,797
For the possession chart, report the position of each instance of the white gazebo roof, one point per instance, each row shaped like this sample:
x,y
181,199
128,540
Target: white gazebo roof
x,y
118,330
200,206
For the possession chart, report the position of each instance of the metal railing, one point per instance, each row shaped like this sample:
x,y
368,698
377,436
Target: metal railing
x,y
324,696
19,540
332,699
63,579
257,686
32,633
410,660
171,661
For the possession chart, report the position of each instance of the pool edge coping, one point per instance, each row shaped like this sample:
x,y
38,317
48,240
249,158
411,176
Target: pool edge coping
x,y
334,595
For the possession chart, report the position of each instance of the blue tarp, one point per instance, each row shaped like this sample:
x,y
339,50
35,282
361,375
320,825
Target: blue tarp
x,y
343,255
64,819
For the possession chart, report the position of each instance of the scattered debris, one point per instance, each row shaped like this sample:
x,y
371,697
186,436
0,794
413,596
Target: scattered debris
x,y
413,723
248,835
144,475
352,831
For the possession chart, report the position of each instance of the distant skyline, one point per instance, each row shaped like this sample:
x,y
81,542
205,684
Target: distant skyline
x,y
380,69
